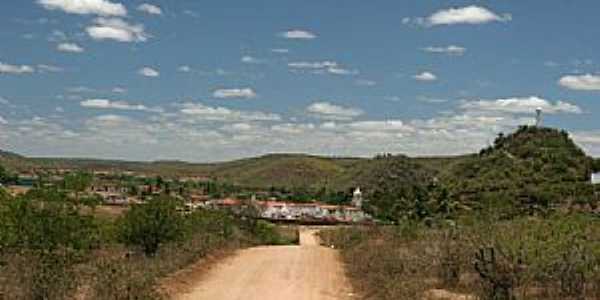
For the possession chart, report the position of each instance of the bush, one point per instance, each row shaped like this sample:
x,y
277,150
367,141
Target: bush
x,y
555,257
151,224
46,220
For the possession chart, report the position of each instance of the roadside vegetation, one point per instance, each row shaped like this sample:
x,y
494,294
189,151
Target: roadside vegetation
x,y
525,258
519,220
53,245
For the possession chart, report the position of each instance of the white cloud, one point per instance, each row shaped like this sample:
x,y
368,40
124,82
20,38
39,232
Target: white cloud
x,y
298,34
341,71
184,69
313,65
117,29
15,69
69,47
280,50
425,76
365,82
3,121
251,60
326,110
80,89
150,9
524,105
322,67
148,72
246,93
208,113
465,15
450,50
49,68
120,105
85,7
587,82
119,90
110,120
588,140
57,36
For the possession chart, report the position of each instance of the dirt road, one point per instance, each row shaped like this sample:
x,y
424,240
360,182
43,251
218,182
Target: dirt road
x,y
305,272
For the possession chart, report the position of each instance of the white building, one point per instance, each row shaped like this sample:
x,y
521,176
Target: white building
x,y
357,199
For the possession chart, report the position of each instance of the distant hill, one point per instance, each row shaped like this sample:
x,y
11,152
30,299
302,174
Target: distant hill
x,y
13,161
533,164
529,163
284,170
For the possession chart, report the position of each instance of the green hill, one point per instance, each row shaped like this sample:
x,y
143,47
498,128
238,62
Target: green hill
x,y
534,166
283,170
531,168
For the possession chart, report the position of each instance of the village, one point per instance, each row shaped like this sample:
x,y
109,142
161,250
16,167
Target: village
x,y
122,189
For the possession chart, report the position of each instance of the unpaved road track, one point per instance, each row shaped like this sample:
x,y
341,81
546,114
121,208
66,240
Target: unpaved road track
x,y
305,272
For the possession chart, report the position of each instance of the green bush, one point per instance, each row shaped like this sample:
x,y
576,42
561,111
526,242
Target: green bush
x,y
46,220
151,224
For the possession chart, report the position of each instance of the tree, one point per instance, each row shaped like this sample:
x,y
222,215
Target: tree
x,y
77,182
151,224
6,176
45,220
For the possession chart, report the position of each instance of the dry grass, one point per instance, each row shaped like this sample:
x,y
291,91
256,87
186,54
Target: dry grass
x,y
520,259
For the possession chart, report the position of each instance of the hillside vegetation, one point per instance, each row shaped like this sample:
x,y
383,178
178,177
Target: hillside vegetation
x,y
535,168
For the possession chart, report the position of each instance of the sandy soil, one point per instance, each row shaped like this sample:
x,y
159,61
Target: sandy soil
x,y
307,272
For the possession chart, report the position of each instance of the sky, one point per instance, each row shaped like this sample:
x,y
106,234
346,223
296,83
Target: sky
x,y
218,80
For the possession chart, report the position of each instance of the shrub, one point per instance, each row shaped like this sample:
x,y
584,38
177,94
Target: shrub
x,y
151,224
46,220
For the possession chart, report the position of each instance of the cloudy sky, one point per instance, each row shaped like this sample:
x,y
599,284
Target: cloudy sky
x,y
218,80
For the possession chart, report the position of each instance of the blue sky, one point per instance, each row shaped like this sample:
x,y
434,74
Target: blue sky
x,y
218,80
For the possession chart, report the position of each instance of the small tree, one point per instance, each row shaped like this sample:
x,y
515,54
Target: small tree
x,y
151,224
78,183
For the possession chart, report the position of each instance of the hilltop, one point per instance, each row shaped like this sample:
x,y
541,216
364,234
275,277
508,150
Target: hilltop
x,y
530,156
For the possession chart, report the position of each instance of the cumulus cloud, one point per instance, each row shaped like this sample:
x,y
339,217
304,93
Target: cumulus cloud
x,y
587,82
322,67
120,105
327,110
459,15
246,93
15,69
425,76
525,105
148,72
298,34
86,7
466,15
150,9
69,47
450,50
209,113
3,121
116,29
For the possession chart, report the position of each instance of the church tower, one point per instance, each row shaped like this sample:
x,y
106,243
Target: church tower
x,y
357,199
